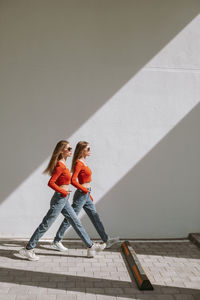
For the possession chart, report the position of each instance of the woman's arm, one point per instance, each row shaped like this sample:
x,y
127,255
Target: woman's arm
x,y
52,181
74,181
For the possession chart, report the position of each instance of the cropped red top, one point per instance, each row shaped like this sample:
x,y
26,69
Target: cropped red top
x,y
83,173
61,176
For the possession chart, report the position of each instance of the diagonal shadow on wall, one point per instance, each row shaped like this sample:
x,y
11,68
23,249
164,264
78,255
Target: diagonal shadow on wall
x,y
61,61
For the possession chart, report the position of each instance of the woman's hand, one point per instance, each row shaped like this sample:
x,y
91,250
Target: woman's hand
x,y
64,193
85,192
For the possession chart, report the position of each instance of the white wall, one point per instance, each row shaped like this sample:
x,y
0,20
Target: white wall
x,y
95,70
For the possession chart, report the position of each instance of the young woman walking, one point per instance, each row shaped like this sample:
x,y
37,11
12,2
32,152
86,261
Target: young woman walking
x,y
59,181
82,197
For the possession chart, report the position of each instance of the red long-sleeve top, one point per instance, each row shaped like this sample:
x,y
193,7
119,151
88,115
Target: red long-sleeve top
x,y
83,173
61,176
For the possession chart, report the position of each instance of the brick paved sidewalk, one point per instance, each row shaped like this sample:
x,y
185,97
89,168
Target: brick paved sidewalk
x,y
172,267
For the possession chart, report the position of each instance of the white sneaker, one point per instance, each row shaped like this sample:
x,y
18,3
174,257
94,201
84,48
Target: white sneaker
x,y
111,241
30,254
100,247
58,246
96,247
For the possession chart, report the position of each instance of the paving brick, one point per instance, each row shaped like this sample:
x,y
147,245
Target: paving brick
x,y
86,297
193,285
83,284
103,297
66,297
7,297
164,297
4,290
95,290
114,291
170,290
56,291
18,289
141,296
65,285
76,290
154,297
130,290
26,297
133,297
40,291
184,297
46,297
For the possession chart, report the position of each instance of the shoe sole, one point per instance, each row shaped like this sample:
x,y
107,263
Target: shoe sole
x,y
24,256
55,248
109,246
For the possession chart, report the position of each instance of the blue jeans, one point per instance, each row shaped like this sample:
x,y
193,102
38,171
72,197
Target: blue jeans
x,y
58,205
84,201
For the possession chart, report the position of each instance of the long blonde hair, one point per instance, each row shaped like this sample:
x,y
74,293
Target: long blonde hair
x,y
78,153
56,156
